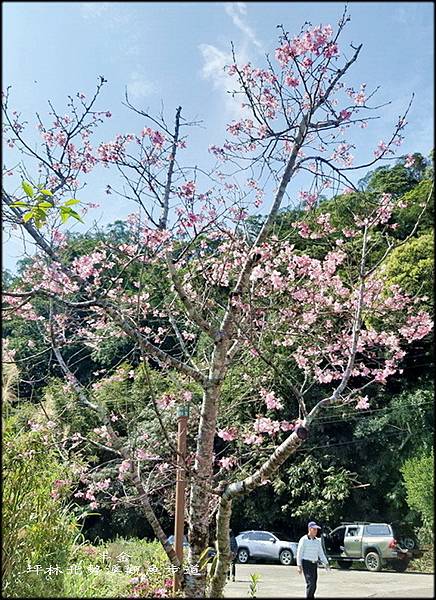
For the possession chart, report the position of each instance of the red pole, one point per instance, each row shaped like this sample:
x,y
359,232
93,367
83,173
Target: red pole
x,y
182,427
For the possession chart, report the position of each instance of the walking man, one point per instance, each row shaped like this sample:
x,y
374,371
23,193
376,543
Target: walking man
x,y
309,552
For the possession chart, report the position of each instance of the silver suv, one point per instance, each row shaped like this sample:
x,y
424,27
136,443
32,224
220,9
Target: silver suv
x,y
371,543
266,545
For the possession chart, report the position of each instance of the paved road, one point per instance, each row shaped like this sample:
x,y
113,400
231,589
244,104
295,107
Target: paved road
x,y
284,582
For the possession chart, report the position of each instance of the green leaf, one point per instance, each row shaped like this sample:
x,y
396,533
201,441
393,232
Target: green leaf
x,y
28,189
46,192
65,214
19,203
76,215
71,201
27,216
45,204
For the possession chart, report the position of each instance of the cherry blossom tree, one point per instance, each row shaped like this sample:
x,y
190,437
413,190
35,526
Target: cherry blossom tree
x,y
226,294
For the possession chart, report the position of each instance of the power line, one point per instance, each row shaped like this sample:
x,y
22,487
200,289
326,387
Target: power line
x,y
369,412
360,441
362,416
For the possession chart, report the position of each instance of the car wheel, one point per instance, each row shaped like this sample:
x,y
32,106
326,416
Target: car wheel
x,y
373,561
286,557
243,556
344,564
408,543
400,565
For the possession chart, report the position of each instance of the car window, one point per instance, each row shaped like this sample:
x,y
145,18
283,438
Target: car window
x,y
353,531
378,530
261,536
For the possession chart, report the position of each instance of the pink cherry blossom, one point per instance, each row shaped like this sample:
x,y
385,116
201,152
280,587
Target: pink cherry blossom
x,y
227,462
229,434
410,161
381,149
270,400
124,468
187,190
253,439
292,81
416,327
362,403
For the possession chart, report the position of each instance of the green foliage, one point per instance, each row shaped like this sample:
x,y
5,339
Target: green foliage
x,y
418,474
37,528
9,379
122,568
38,210
415,200
425,564
254,582
411,266
62,405
396,180
314,489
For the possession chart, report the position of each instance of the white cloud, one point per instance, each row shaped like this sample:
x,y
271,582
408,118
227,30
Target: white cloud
x,y
237,10
139,87
214,61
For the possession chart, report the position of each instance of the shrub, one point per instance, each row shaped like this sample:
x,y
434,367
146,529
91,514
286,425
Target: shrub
x,y
418,478
38,529
121,568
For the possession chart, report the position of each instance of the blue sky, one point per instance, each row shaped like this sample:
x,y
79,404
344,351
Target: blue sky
x,y
173,53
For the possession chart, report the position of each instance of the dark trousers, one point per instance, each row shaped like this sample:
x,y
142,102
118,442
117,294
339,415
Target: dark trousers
x,y
310,571
232,567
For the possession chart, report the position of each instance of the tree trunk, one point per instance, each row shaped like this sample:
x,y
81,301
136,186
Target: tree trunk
x,y
223,547
199,510
286,449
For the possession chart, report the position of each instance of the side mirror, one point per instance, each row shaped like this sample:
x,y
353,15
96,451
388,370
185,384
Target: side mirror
x,y
272,540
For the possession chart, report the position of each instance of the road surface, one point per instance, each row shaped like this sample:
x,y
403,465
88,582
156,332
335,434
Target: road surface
x,y
278,581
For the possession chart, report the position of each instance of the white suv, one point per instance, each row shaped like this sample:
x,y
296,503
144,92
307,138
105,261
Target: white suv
x,y
266,545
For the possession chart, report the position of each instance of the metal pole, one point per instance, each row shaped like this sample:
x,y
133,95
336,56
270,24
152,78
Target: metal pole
x,y
182,427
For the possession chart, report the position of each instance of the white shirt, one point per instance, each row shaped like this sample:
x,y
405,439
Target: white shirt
x,y
310,549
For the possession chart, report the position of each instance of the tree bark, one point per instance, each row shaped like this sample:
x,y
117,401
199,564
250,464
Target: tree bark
x,y
200,495
218,579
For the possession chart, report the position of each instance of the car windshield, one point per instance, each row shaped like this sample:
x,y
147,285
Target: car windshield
x,y
284,537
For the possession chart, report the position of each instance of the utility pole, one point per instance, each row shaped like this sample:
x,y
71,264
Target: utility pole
x,y
182,428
